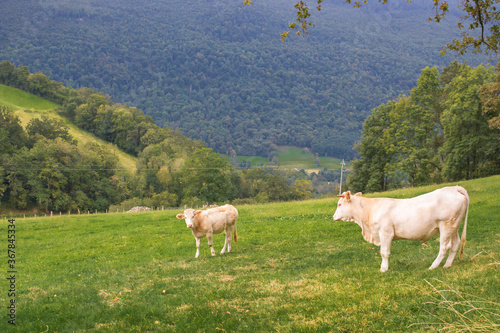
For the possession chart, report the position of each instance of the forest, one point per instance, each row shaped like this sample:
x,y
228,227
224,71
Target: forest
x,y
448,129
42,168
217,71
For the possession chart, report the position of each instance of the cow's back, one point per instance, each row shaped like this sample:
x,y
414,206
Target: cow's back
x,y
220,216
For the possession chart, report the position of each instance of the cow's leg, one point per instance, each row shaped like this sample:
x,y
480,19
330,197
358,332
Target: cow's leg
x,y
227,242
198,242
229,237
455,243
210,243
385,251
445,240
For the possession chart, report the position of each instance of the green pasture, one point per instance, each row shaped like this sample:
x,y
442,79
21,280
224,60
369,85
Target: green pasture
x,y
293,270
17,99
256,161
296,158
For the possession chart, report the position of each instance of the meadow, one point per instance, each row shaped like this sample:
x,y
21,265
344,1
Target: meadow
x,y
16,99
293,270
296,158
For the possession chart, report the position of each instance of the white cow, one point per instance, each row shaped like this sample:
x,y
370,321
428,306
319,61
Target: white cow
x,y
212,221
419,218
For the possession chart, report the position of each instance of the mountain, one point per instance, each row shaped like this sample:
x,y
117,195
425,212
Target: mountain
x,y
218,71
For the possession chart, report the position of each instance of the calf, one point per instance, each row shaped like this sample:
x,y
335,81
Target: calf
x,y
383,219
212,221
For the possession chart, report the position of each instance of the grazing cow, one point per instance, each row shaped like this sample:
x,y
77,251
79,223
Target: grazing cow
x,y
383,219
212,221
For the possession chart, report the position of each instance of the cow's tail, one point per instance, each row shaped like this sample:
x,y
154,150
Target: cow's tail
x,y
235,234
464,231
235,220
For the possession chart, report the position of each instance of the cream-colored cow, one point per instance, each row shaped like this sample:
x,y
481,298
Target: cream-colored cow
x,y
383,219
209,222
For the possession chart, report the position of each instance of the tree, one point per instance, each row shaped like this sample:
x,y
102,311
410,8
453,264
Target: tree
x,y
12,135
48,181
274,188
471,148
205,175
479,26
6,72
303,188
490,96
85,114
47,128
438,133
369,173
164,199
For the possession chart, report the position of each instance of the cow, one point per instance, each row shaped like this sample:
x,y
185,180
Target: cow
x,y
419,218
209,222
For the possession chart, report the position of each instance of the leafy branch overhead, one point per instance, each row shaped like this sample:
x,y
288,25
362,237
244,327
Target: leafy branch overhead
x,y
479,26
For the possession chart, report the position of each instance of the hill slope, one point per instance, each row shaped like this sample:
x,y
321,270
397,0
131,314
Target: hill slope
x,y
217,70
27,106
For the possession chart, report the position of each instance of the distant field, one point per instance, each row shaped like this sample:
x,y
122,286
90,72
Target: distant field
x,y
296,158
18,99
27,107
293,270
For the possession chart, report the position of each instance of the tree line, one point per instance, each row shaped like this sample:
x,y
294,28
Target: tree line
x,y
446,130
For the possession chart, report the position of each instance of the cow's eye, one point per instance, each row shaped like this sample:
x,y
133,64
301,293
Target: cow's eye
x,y
340,204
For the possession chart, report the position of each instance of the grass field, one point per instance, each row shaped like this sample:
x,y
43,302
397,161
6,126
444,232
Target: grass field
x,y
18,99
296,158
293,270
27,107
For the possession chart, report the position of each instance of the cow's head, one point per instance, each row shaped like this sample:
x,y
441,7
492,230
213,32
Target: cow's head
x,y
189,215
344,210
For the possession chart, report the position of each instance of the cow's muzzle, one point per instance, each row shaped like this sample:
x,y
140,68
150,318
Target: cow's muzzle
x,y
190,226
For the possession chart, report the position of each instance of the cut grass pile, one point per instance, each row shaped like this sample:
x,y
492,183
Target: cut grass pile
x,y
293,270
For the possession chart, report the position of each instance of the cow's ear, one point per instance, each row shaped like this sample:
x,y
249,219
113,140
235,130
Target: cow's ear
x,y
348,195
358,194
198,212
181,216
